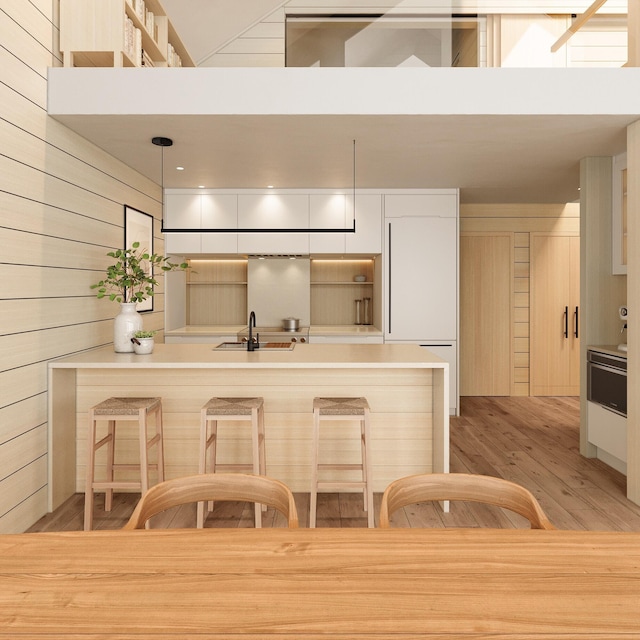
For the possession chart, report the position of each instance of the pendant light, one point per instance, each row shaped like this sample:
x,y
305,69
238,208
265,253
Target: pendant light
x,y
167,142
162,142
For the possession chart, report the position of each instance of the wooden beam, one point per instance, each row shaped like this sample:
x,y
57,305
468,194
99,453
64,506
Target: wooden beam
x,y
578,24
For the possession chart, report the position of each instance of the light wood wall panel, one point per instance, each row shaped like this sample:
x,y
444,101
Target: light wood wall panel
x,y
61,209
405,448
520,220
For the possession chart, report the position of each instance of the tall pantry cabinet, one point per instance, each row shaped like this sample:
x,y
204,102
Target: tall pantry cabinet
x,y
555,315
421,274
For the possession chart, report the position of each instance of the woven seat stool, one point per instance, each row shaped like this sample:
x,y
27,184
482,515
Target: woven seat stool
x,y
232,409
115,410
342,409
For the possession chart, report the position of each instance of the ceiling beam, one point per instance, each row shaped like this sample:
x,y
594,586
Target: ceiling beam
x,y
579,22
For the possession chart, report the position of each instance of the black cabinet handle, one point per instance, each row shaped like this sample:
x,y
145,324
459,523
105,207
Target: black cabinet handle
x,y
566,322
575,318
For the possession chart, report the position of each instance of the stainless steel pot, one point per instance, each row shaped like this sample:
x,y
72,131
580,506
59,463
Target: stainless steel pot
x,y
291,324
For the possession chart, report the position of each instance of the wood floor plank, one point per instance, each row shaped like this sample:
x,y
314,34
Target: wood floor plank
x,y
531,441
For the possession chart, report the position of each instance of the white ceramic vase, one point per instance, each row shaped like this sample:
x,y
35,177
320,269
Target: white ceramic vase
x,y
125,324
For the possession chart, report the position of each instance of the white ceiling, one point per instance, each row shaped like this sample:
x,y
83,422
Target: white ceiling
x,y
491,158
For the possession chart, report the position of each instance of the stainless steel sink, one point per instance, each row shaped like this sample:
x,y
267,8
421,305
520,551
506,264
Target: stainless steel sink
x,y
264,346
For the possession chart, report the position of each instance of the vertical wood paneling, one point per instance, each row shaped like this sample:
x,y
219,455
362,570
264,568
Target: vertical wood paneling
x,y
520,220
61,209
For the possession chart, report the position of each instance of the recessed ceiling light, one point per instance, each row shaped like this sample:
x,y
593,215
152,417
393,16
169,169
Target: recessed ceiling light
x,y
179,168
200,186
269,186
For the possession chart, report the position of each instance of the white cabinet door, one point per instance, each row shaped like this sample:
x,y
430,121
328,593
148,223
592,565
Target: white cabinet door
x,y
183,211
431,204
327,211
219,212
421,278
273,211
368,235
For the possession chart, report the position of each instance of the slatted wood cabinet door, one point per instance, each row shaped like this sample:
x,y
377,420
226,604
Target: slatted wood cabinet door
x,y
555,312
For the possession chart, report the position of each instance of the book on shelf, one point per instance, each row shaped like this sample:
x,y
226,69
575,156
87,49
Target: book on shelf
x,y
146,60
173,58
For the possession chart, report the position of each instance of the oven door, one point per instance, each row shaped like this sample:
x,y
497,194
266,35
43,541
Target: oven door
x,y
607,382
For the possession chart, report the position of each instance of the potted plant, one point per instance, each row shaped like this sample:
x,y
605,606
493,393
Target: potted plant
x,y
143,342
128,281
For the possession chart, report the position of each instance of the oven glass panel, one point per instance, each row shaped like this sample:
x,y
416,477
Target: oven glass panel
x,y
608,387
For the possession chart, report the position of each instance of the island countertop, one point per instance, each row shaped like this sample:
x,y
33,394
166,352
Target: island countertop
x,y
302,356
406,387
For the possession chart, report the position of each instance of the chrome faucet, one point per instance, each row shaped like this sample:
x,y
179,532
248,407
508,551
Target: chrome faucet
x,y
251,345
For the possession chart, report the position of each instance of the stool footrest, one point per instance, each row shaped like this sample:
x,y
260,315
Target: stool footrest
x,y
234,467
334,486
340,467
116,485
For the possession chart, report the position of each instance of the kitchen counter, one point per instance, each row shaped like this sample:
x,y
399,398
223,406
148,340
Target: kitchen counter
x,y
357,330
206,330
611,349
407,388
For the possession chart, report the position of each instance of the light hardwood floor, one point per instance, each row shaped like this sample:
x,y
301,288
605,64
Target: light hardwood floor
x,y
531,441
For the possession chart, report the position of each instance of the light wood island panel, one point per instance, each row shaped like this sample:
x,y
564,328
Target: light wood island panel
x,y
406,388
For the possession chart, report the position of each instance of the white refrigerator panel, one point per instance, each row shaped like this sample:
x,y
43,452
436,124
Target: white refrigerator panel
x,y
421,278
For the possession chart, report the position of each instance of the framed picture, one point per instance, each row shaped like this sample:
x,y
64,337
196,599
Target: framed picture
x,y
138,227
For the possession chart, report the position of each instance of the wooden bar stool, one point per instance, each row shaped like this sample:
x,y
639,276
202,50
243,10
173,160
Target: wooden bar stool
x,y
342,409
235,409
113,410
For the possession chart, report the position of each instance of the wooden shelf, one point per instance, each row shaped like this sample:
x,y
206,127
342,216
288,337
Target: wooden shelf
x,y
93,34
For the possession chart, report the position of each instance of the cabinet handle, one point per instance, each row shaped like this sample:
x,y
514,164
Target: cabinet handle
x,y
575,318
566,322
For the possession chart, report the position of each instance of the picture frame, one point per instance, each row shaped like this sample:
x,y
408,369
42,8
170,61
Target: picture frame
x,y
138,227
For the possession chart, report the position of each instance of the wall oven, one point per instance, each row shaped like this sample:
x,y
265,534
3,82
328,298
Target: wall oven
x,y
607,381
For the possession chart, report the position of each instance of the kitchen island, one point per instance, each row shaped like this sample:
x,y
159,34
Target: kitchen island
x,y
407,388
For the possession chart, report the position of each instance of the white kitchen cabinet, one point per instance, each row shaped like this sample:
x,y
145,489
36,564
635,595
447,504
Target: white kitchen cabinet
x,y
368,236
608,431
327,211
183,211
421,278
336,211
273,211
219,211
201,211
436,203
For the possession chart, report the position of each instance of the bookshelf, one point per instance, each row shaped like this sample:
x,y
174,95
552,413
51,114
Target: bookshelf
x,y
119,33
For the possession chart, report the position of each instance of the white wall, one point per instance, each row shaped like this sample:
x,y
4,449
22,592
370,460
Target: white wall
x,y
61,210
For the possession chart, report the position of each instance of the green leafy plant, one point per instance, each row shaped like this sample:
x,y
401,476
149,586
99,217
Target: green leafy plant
x,y
144,334
131,279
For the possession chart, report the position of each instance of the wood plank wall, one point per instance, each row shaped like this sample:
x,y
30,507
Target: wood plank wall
x,y
61,209
520,220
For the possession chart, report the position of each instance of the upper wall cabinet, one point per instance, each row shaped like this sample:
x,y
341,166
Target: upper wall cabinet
x,y
442,205
619,215
273,211
335,211
184,210
119,33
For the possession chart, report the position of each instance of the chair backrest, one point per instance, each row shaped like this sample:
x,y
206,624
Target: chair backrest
x,y
462,486
214,486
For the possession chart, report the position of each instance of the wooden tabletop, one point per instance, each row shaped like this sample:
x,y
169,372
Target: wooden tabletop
x,y
321,583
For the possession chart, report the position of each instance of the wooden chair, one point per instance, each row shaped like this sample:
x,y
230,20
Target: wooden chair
x,y
462,486
214,486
